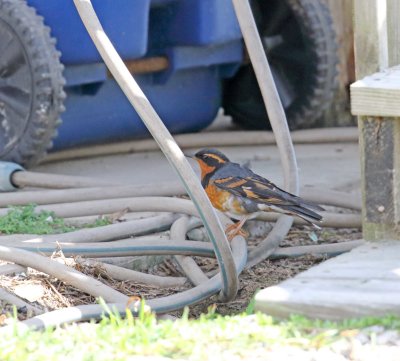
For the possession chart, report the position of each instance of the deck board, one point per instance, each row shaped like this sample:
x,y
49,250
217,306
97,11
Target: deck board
x,y
363,282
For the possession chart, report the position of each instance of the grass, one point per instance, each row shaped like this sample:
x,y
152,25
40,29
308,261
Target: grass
x,y
211,336
24,219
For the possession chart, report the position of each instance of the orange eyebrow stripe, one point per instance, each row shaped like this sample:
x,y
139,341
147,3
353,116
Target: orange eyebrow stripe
x,y
216,157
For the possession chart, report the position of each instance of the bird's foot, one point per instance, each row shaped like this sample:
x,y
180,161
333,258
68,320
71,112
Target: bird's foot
x,y
234,230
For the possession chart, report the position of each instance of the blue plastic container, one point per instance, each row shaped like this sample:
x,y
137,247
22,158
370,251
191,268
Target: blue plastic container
x,y
108,115
200,38
204,22
125,21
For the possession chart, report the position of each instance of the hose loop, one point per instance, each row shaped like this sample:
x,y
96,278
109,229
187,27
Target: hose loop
x,y
166,143
7,169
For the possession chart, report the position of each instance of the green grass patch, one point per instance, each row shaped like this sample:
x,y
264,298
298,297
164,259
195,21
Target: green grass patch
x,y
222,337
24,219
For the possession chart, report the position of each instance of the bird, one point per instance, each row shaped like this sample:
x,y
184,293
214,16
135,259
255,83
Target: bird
x,y
242,194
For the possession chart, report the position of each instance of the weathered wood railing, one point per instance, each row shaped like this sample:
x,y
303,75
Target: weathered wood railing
x,y
375,99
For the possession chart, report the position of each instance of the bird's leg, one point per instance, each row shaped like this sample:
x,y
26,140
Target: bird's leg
x,y
236,229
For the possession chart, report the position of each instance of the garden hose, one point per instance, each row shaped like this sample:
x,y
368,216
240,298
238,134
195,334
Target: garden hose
x,y
19,303
85,201
164,204
166,143
62,272
326,197
111,232
120,248
124,274
11,269
208,139
278,122
187,264
35,179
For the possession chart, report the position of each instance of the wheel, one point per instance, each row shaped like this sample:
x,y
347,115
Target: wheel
x,y
300,44
31,84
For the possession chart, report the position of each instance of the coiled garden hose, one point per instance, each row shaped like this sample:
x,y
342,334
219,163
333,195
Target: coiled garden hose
x,y
278,122
187,264
110,232
231,258
166,143
171,150
209,139
62,272
34,179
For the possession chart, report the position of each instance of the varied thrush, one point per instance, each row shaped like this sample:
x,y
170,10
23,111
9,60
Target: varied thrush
x,y
242,194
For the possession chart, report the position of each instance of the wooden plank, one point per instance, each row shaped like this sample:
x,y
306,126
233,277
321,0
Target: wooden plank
x,y
351,288
377,94
375,49
393,11
363,272
370,37
380,153
342,13
286,299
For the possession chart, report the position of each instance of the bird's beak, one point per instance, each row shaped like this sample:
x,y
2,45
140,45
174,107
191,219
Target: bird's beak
x,y
191,156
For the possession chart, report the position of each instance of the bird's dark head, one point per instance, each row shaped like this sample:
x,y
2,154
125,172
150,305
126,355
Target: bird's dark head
x,y
210,159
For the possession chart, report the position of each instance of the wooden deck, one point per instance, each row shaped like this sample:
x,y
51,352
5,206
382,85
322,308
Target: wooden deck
x,y
363,282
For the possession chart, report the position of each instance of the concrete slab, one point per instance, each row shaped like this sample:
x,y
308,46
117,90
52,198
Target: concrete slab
x,y
363,282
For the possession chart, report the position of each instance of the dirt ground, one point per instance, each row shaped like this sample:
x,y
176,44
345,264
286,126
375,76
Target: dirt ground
x,y
54,294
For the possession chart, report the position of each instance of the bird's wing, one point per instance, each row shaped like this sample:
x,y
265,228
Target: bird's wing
x,y
255,188
258,189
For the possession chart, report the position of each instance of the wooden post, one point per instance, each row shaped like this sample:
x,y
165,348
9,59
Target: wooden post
x,y
338,113
377,32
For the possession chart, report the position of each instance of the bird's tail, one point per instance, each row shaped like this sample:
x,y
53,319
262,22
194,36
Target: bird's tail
x,y
305,213
309,205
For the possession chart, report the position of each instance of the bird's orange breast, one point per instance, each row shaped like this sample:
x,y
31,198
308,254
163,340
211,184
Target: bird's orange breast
x,y
223,200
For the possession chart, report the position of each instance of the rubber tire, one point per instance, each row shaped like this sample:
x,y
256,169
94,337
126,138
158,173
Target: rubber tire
x,y
242,98
47,95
